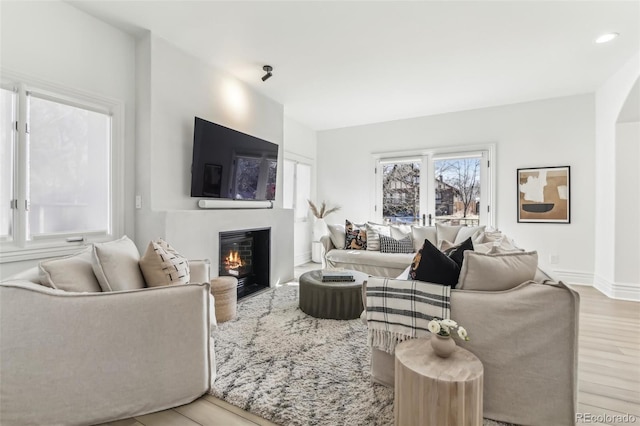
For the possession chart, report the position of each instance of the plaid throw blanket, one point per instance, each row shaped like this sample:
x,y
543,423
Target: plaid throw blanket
x,y
398,310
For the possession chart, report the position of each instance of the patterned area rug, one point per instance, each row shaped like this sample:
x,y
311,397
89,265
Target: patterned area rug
x,y
292,369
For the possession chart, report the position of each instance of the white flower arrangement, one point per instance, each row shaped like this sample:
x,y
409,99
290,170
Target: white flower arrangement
x,y
444,327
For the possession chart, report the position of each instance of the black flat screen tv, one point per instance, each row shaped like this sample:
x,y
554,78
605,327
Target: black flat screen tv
x,y
231,164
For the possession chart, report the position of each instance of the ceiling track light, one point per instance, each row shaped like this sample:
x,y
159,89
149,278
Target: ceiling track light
x,y
267,69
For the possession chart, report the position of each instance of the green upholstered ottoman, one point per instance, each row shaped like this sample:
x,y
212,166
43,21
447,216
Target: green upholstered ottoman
x,y
332,300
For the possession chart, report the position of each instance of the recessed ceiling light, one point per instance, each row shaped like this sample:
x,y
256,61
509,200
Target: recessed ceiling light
x,y
606,37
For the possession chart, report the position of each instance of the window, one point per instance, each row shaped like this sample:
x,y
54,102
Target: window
x,y
435,187
297,188
8,104
401,191
57,157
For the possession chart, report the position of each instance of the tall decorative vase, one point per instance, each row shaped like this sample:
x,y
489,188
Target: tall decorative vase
x,y
319,229
443,346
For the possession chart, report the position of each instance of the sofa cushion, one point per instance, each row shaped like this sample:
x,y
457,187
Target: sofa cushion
x,y
369,258
374,231
496,272
488,237
421,233
456,252
447,232
70,273
392,245
161,265
115,265
433,266
468,232
400,231
337,235
355,236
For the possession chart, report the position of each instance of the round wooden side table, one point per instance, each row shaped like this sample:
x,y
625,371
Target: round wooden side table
x,y
434,391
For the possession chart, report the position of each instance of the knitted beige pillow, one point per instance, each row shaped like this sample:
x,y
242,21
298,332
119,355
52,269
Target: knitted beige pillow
x,y
163,265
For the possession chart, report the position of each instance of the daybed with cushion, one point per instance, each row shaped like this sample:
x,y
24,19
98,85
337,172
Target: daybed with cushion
x,y
522,326
87,356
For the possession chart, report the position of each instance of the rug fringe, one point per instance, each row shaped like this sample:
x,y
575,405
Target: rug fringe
x,y
385,340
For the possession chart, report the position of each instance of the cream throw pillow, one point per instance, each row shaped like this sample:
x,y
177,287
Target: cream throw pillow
x,y
468,232
337,235
70,273
115,265
373,235
496,272
421,233
162,265
398,232
447,232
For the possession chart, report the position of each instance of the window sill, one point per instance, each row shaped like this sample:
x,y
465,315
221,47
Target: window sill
x,y
17,254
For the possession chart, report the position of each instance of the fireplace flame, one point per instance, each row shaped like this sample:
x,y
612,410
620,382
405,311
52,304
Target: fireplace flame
x,y
233,261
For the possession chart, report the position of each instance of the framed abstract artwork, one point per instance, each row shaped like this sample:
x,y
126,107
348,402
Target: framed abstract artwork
x,y
544,195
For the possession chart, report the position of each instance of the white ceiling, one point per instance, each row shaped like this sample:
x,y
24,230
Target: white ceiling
x,y
340,63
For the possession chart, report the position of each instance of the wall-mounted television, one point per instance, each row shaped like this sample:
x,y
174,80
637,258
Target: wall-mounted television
x,y
231,164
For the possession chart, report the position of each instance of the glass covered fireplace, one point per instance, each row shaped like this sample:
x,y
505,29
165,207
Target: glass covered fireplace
x,y
245,254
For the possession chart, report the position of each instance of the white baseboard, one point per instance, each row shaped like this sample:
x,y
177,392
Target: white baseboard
x,y
622,291
302,258
573,277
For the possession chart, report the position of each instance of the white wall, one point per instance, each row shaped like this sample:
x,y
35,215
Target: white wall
x,y
627,219
300,145
174,87
54,42
553,132
610,98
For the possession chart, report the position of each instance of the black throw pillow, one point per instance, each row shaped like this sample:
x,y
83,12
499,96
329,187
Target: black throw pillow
x,y
456,253
433,266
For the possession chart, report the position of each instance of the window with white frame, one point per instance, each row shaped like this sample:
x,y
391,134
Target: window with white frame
x,y
435,187
297,188
57,157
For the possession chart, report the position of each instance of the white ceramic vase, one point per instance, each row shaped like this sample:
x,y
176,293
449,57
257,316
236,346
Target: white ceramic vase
x,y
319,229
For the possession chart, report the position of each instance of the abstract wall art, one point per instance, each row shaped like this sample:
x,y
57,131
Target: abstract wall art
x,y
544,195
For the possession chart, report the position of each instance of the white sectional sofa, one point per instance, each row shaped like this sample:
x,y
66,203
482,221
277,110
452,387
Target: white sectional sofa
x,y
77,358
526,335
376,263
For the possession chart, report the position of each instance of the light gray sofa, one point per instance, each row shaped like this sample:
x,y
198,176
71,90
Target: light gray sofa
x,y
84,358
527,340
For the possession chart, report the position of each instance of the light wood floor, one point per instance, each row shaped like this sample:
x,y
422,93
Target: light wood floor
x,y
608,370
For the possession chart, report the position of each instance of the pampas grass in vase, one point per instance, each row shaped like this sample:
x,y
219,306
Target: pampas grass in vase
x,y
320,226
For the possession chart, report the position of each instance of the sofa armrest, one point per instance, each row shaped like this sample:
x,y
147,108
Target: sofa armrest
x,y
200,271
327,245
86,358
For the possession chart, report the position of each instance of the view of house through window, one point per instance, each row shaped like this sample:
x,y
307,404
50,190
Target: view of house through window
x,y
457,191
433,189
401,192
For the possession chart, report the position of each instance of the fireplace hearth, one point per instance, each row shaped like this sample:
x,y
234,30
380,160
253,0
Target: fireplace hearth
x,y
245,254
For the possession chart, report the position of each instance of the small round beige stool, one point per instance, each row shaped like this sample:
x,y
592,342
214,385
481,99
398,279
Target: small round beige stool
x,y
225,295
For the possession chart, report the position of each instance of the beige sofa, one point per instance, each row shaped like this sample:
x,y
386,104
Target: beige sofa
x,y
69,358
526,338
